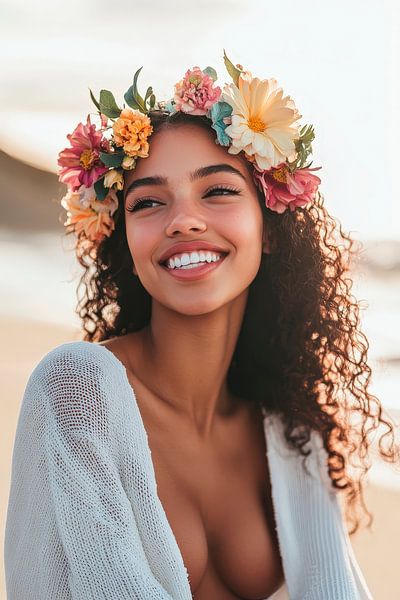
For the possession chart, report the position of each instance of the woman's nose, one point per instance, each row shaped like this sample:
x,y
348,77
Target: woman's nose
x,y
185,221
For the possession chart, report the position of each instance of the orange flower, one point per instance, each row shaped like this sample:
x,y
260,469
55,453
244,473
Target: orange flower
x,y
89,215
96,226
131,130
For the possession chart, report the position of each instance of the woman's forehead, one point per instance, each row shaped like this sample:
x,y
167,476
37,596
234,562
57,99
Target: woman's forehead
x,y
179,151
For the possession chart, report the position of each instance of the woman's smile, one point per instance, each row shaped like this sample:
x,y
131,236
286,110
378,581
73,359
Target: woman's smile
x,y
188,271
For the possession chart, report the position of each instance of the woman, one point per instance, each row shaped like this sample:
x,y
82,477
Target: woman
x,y
197,447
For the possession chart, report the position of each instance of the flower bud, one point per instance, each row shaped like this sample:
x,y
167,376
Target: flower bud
x,y
114,178
129,163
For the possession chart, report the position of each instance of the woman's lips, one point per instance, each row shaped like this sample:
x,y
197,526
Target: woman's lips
x,y
198,272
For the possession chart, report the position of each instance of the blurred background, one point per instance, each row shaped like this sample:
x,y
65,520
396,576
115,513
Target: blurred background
x,y
339,61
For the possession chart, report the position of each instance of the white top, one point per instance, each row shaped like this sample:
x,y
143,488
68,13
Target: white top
x,y
84,520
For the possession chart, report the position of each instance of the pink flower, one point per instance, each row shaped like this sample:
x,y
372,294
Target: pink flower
x,y
80,164
283,189
195,93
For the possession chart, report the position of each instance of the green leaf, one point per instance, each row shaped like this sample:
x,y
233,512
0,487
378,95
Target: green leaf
x,y
134,99
303,144
94,100
307,134
148,93
108,106
232,70
147,99
101,191
130,100
211,73
112,159
136,94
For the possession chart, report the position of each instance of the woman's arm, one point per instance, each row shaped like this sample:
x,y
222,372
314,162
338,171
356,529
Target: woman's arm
x,y
71,531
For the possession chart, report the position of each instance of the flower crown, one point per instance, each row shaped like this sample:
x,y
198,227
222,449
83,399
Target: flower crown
x,y
249,115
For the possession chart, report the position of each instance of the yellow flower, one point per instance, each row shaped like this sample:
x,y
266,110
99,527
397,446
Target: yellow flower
x,y
263,122
114,178
131,130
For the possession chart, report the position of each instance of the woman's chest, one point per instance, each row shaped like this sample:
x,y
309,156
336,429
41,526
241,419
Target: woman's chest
x,y
218,504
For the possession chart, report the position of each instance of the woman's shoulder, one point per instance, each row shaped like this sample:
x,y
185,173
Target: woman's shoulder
x,y
77,350
75,376
73,358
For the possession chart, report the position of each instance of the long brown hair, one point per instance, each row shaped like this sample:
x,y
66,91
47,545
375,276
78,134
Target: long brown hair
x,y
300,352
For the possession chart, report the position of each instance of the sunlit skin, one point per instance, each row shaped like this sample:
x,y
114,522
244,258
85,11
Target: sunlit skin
x,y
195,324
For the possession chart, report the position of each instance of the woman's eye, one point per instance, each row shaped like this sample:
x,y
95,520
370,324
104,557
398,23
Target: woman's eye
x,y
137,205
223,189
219,191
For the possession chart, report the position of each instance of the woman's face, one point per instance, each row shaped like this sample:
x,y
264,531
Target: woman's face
x,y
179,206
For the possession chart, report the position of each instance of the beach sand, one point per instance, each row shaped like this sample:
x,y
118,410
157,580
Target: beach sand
x,y
25,342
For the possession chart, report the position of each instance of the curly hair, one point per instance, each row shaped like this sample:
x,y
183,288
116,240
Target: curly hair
x,y
300,351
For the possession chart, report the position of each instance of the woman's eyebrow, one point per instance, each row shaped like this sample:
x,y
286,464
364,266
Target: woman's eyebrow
x,y
198,174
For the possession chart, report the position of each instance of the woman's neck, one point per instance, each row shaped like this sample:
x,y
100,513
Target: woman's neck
x,y
186,359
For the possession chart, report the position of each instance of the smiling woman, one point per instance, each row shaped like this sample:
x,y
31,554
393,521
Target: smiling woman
x,y
221,347
193,203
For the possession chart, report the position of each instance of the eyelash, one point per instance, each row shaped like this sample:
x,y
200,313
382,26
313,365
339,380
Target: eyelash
x,y
136,205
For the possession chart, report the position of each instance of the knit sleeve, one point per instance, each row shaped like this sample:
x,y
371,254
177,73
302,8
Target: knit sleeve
x,y
90,535
316,551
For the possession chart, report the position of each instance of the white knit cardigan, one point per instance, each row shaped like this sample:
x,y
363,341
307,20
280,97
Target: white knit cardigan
x,y
84,520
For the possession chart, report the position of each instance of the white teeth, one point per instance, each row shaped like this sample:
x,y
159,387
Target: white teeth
x,y
195,265
193,259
